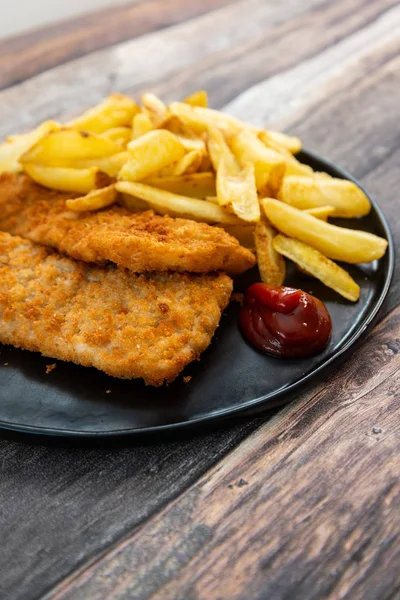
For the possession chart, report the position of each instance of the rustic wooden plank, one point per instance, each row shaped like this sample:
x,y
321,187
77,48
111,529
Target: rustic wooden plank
x,y
228,73
83,82
301,509
60,506
26,55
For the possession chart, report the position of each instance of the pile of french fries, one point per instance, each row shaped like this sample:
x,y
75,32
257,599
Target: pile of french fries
x,y
187,160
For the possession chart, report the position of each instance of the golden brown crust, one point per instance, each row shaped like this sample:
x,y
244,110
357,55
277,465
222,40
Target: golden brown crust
x,y
140,241
147,326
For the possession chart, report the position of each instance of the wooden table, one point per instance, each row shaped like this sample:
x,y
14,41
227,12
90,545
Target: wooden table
x,y
300,504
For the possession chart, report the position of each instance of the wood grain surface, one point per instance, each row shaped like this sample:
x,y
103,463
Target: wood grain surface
x,y
303,504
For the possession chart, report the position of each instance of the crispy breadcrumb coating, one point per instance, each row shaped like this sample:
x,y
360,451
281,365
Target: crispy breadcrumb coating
x,y
138,241
127,325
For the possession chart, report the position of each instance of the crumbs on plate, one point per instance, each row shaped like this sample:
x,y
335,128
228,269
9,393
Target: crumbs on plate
x,y
50,368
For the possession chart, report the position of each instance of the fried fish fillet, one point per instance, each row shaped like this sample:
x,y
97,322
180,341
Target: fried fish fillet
x,y
128,325
138,241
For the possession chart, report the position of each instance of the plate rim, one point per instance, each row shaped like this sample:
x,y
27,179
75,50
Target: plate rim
x,y
262,403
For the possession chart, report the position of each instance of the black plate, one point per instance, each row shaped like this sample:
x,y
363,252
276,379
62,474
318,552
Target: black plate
x,y
231,378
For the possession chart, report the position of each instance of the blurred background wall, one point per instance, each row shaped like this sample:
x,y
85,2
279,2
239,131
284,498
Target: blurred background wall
x,y
22,15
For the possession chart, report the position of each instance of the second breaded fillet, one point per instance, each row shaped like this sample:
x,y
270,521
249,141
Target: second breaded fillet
x,y
140,242
147,326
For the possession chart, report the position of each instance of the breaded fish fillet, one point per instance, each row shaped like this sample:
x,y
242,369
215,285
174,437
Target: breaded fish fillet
x,y
128,325
137,241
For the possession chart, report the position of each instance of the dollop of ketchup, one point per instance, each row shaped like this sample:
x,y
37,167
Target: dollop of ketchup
x,y
284,321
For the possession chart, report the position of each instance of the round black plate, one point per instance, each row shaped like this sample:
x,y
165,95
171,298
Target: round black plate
x,y
231,377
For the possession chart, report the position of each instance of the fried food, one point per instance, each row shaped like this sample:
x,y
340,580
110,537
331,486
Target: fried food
x,y
139,242
127,325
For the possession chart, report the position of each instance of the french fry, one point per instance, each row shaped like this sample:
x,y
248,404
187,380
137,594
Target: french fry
x,y
64,147
110,164
306,192
293,144
199,119
338,243
63,179
321,212
94,200
115,111
155,109
199,98
166,203
189,163
269,166
196,185
237,190
15,146
270,263
141,124
119,135
316,264
150,153
192,143
218,149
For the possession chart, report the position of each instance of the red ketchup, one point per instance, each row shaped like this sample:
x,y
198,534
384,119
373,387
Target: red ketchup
x,y
284,321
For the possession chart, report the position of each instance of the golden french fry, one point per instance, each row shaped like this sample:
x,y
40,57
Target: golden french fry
x,y
94,200
316,264
192,143
218,149
166,203
150,153
119,135
110,164
306,192
321,212
155,108
199,119
64,147
115,111
244,233
141,124
15,146
63,179
195,185
213,199
270,264
237,190
293,144
189,163
199,98
269,166
338,243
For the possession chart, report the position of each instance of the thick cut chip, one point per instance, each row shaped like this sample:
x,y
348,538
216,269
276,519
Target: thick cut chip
x,y
119,135
14,147
110,165
316,264
306,192
127,325
269,166
150,153
321,212
293,144
199,98
139,242
141,124
194,185
189,163
338,243
237,191
166,203
219,150
116,111
270,263
63,148
155,109
94,200
81,181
